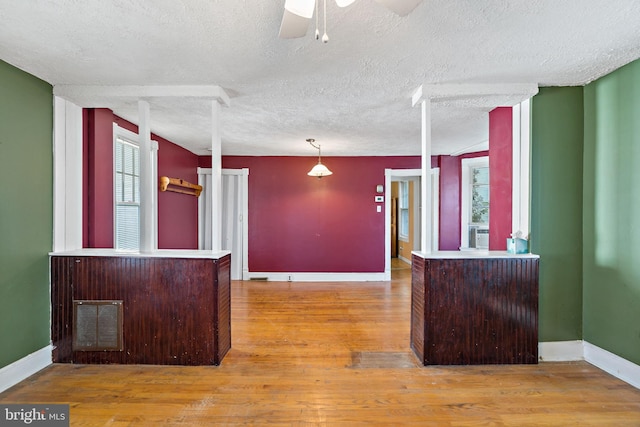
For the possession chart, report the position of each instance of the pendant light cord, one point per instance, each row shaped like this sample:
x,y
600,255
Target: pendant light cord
x,y
317,31
325,37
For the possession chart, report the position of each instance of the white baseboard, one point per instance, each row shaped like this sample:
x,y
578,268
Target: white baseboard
x,y
408,261
620,368
21,369
316,277
565,351
560,351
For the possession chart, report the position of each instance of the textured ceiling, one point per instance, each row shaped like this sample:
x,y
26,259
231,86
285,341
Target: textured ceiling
x,y
353,94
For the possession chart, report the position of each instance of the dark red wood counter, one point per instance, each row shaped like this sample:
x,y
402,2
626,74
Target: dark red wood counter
x,y
164,308
471,309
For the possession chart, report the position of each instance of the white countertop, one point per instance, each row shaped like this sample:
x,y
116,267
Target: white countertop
x,y
160,253
471,255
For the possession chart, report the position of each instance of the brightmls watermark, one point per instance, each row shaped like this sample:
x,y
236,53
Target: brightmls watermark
x,y
41,415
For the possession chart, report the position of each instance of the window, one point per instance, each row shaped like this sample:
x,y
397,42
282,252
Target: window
x,y
127,194
403,232
475,207
127,190
480,195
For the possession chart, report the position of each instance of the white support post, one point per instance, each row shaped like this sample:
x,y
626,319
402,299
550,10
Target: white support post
x,y
425,214
67,199
147,186
515,162
426,224
520,183
216,178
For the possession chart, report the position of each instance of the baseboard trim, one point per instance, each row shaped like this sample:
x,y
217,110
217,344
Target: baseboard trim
x,y
566,351
615,365
408,261
560,351
316,277
21,369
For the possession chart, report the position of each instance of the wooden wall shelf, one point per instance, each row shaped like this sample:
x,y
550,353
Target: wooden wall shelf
x,y
177,185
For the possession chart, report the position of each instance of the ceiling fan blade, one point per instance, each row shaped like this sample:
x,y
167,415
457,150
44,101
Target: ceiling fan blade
x,y
295,19
400,7
293,25
302,8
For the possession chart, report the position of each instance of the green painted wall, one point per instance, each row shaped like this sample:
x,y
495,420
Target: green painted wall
x,y
26,212
611,317
556,209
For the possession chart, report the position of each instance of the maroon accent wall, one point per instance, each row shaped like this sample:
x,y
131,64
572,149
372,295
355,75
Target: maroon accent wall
x,y
177,213
501,176
98,178
449,202
299,223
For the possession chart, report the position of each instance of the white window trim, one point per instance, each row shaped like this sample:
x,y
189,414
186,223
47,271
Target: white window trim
x,y
465,195
134,138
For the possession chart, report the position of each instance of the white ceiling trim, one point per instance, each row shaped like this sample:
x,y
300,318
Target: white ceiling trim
x,y
510,92
87,95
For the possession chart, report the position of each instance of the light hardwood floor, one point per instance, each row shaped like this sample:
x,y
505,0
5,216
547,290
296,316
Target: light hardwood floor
x,y
327,354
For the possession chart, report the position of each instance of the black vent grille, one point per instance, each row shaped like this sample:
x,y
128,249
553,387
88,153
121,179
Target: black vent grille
x,y
97,325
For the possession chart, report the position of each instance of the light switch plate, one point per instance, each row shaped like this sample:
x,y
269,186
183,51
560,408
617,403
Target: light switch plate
x,y
379,199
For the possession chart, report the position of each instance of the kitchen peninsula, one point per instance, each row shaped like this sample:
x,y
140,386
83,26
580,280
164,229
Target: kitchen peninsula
x,y
167,307
473,307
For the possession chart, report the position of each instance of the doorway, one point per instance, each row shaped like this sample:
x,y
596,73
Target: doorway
x,y
235,206
412,233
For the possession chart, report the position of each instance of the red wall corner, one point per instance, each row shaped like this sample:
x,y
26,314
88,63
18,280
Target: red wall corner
x,y
449,203
500,176
98,177
177,213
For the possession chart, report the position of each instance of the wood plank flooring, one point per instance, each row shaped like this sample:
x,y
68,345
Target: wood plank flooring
x,y
330,354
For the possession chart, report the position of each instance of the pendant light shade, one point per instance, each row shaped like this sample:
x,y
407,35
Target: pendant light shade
x,y
318,170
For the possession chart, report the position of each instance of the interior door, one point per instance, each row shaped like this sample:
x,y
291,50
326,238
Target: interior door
x,y
232,220
233,212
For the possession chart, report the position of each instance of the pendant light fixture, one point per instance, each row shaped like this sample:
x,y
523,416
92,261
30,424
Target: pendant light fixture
x,y
318,170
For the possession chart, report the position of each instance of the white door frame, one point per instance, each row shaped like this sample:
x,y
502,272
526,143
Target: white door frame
x,y
244,215
391,175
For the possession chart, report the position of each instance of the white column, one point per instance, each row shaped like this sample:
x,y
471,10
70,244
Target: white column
x,y
147,186
425,214
67,176
153,158
216,178
521,154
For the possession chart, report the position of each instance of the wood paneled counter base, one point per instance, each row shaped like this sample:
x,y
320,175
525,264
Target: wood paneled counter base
x,y
472,309
175,307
